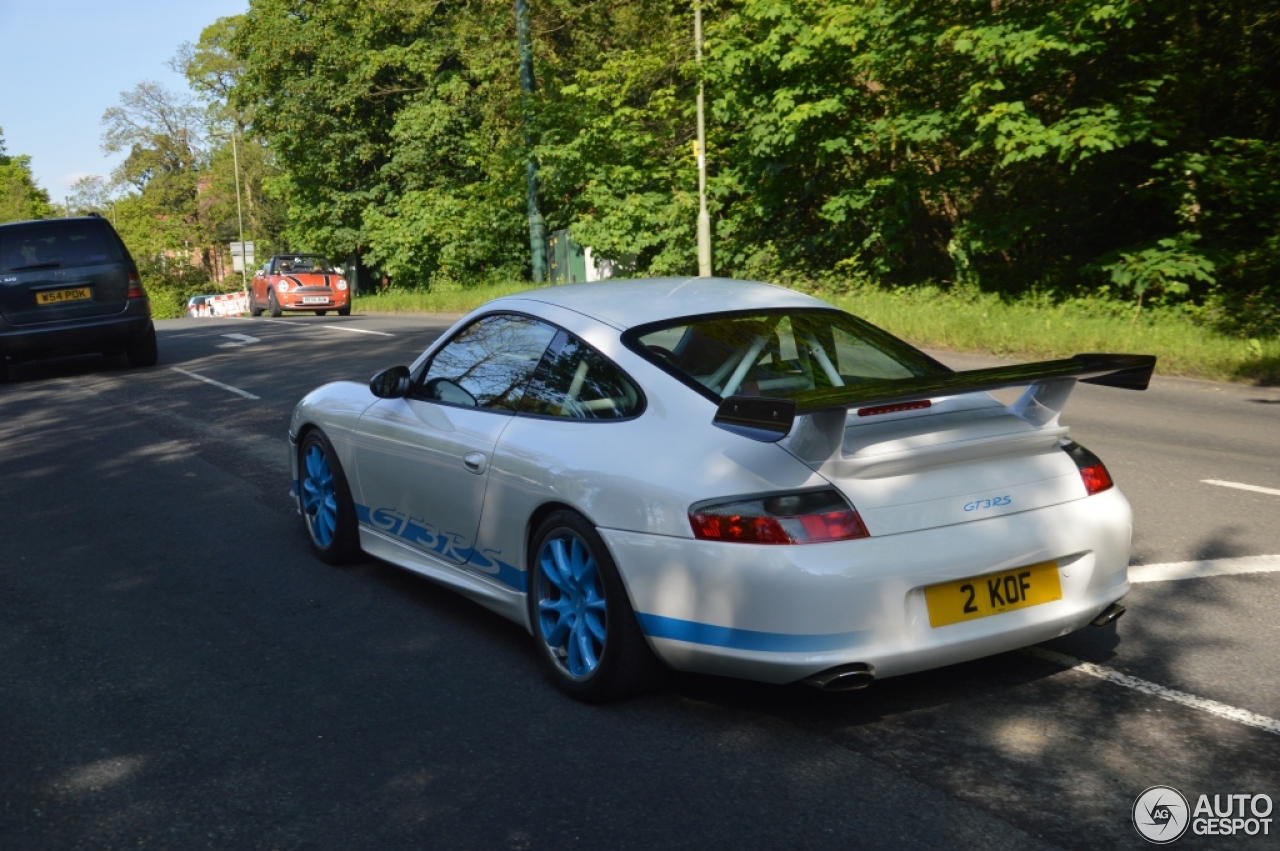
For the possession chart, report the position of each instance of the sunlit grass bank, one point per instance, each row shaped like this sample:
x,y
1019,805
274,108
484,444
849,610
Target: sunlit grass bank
x,y
969,322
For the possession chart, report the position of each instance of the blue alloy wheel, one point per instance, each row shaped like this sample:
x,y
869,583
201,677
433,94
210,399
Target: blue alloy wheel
x,y
585,630
319,500
573,615
327,509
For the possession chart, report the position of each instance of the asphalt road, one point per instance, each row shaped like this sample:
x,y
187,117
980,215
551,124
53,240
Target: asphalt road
x,y
177,671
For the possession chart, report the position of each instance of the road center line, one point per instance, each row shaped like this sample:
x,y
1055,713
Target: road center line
x,y
1213,707
1207,567
1239,486
206,380
330,327
356,330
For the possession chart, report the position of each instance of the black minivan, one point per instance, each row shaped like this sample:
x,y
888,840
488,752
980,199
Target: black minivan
x,y
69,286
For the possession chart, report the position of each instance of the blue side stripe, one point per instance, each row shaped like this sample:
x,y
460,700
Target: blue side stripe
x,y
657,626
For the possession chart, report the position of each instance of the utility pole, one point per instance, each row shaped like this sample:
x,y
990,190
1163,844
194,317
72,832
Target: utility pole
x,y
704,218
537,227
244,255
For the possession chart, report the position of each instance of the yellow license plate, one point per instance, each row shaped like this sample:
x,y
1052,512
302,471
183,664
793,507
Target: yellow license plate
x,y
59,296
981,596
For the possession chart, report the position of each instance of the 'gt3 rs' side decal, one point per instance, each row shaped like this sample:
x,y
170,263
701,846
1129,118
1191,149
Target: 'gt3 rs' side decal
x,y
449,545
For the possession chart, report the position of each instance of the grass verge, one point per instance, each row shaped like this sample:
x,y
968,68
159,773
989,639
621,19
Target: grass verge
x,y
1031,329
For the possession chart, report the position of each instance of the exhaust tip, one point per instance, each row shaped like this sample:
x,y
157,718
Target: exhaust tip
x,y
1110,615
849,677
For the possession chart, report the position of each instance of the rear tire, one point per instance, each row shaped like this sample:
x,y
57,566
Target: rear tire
x,y
583,626
344,311
254,310
4,369
273,306
321,312
143,351
328,511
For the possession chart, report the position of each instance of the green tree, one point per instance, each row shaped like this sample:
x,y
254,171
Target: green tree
x,y
213,70
1009,144
20,198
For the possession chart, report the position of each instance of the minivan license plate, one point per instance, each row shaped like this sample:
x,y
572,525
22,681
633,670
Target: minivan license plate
x,y
59,296
981,596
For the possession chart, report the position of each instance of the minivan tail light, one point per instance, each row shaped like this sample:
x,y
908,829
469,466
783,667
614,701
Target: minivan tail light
x,y
135,287
1092,471
809,517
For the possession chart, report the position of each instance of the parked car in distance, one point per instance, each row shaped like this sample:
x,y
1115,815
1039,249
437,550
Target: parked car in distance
x,y
299,282
726,477
198,305
69,286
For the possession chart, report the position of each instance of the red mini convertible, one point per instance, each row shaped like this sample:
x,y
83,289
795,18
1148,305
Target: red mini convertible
x,y
299,282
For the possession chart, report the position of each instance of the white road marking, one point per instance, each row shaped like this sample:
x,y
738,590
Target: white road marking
x,y
355,330
324,325
1213,707
1239,486
238,340
1208,567
197,377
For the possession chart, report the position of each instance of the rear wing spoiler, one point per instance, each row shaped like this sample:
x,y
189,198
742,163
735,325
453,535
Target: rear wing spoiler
x,y
1048,385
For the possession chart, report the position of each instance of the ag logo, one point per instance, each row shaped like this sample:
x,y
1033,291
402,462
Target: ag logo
x,y
1160,814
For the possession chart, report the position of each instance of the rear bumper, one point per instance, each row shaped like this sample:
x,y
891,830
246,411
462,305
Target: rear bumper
x,y
79,335
783,613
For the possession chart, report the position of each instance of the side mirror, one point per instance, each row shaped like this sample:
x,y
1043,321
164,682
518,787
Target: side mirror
x,y
390,383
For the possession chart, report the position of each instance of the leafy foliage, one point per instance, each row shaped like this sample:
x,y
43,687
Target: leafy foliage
x,y
20,198
1073,147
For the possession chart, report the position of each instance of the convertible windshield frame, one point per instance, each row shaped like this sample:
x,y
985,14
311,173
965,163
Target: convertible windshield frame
x,y
734,343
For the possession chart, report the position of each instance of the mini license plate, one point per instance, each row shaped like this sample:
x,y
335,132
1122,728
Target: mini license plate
x,y
315,299
980,596
59,296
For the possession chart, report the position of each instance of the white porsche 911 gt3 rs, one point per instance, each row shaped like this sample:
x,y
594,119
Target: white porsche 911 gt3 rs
x,y
726,476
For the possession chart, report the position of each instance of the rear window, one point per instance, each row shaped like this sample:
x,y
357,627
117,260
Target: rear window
x,y
778,353
48,245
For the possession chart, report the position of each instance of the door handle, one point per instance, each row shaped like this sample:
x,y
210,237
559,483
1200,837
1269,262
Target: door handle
x,y
474,462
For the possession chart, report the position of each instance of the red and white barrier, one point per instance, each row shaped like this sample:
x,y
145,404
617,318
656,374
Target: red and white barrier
x,y
231,304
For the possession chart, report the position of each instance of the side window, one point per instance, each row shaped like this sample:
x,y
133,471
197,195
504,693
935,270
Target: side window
x,y
577,382
857,359
488,364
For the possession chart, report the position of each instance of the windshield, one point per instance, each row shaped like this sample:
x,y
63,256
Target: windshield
x,y
779,353
305,263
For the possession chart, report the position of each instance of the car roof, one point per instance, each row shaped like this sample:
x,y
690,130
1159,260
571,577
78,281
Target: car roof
x,y
626,303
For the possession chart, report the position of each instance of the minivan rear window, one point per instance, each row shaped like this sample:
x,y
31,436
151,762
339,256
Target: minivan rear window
x,y
48,245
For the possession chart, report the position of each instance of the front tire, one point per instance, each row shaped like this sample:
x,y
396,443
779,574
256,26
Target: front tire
x,y
143,351
585,631
328,511
273,306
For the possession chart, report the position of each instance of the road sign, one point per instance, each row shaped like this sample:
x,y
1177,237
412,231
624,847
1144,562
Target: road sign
x,y
242,256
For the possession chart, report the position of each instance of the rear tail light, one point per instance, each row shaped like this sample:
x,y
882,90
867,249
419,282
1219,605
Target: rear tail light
x,y
1092,470
793,518
135,287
